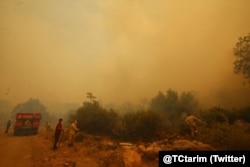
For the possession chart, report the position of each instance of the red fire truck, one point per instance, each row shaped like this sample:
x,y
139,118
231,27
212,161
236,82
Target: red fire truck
x,y
27,123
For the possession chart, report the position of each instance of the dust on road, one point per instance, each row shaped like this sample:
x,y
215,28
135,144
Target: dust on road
x,y
16,150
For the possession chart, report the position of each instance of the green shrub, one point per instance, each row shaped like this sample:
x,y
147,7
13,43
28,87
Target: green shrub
x,y
239,137
93,119
215,136
226,136
244,114
142,125
215,115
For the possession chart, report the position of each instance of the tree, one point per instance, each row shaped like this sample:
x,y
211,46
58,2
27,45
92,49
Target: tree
x,y
243,114
188,102
242,53
215,115
94,119
165,102
31,106
172,106
158,102
142,125
91,97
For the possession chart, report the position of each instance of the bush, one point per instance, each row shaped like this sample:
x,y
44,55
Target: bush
x,y
244,114
93,119
226,136
215,136
215,115
142,125
239,137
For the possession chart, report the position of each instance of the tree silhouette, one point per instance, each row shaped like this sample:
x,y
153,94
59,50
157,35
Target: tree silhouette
x,y
31,106
91,97
242,53
172,106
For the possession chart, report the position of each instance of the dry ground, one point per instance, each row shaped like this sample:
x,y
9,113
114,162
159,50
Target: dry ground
x,y
36,151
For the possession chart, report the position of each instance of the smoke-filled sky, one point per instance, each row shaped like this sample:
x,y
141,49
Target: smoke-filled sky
x,y
121,50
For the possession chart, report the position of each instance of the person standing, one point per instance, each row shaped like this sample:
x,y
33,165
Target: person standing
x,y
191,122
72,133
47,129
8,126
59,129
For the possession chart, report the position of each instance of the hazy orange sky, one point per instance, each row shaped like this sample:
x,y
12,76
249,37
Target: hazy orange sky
x,y
121,50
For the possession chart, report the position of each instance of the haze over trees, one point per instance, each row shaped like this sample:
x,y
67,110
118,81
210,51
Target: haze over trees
x,y
5,110
173,106
164,117
31,106
242,53
163,114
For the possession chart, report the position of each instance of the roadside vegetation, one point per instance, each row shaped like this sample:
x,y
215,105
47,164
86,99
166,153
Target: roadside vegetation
x,y
223,129
164,117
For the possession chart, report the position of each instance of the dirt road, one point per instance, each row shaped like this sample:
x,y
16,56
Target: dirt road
x,y
36,151
16,150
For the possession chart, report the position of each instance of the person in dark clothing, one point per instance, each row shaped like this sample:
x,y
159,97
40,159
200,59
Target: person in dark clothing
x,y
8,126
58,132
